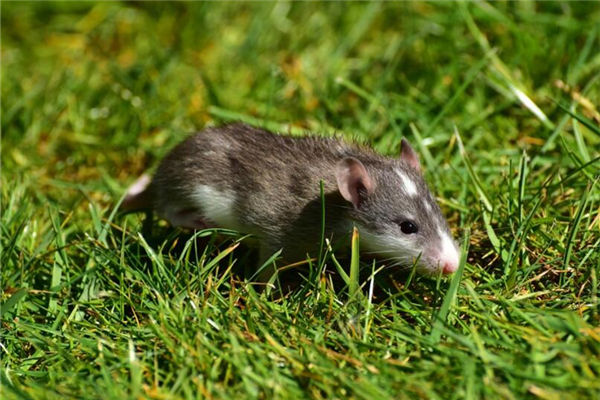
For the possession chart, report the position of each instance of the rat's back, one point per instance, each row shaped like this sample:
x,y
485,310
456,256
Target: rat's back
x,y
245,178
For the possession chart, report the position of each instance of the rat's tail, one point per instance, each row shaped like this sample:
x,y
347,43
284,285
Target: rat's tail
x,y
138,195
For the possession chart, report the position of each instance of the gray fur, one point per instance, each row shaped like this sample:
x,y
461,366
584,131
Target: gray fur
x,y
275,181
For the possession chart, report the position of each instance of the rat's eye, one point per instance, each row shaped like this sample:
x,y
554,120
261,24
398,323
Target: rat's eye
x,y
408,227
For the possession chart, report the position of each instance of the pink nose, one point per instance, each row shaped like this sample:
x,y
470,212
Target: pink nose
x,y
449,267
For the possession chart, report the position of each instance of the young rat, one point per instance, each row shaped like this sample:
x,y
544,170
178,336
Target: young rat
x,y
253,181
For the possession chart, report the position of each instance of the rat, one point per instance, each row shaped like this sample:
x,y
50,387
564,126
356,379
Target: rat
x,y
268,185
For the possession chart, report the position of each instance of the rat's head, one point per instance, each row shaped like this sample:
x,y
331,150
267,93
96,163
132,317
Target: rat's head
x,y
396,214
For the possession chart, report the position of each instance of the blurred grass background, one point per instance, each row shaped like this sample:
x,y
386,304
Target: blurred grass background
x,y
94,94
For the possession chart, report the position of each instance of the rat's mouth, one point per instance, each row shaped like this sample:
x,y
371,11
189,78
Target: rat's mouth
x,y
432,266
435,265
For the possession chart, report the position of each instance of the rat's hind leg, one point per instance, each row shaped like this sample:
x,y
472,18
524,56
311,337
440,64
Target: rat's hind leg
x,y
265,271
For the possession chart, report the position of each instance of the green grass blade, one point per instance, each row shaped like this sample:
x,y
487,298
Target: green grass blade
x,y
13,301
574,226
354,284
322,241
584,121
474,178
450,297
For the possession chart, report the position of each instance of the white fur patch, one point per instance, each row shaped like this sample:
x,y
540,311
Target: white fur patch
x,y
395,246
217,206
409,186
427,205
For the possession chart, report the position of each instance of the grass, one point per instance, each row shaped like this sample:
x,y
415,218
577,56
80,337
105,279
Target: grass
x,y
500,100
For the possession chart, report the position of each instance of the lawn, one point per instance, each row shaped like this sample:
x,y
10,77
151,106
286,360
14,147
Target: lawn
x,y
500,100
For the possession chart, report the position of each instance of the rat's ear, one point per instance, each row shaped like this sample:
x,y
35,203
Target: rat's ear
x,y
353,180
409,155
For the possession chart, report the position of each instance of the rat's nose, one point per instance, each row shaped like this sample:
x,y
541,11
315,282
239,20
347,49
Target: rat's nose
x,y
448,256
449,267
